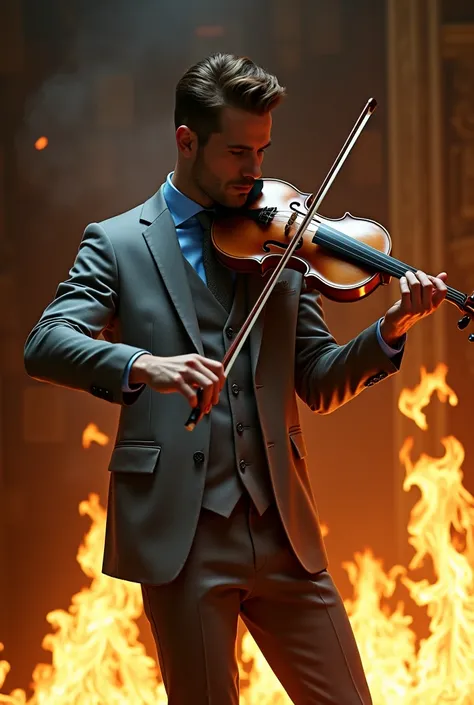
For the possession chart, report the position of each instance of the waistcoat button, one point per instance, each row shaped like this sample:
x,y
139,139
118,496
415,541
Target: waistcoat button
x,y
242,465
198,457
235,390
240,427
229,332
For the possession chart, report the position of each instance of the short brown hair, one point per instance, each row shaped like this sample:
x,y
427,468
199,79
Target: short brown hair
x,y
218,81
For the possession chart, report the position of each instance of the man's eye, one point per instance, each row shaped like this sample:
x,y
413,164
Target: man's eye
x,y
237,152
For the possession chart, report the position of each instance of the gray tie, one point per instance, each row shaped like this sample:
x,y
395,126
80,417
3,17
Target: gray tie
x,y
219,278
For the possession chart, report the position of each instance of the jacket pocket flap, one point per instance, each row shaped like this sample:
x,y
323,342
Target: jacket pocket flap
x,y
138,459
299,446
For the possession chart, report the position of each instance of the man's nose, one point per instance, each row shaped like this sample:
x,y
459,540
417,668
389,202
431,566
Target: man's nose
x,y
253,169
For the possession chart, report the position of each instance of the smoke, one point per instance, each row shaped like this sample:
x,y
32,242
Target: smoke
x,y
108,109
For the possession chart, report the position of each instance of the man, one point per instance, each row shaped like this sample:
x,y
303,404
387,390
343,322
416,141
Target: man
x,y
222,521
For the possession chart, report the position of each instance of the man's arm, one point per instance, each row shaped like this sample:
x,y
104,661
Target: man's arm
x,y
328,375
63,347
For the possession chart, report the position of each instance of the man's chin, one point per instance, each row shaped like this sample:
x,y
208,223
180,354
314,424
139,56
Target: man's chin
x,y
234,200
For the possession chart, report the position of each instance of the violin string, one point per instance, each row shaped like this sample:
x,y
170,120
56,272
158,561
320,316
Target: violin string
x,y
365,254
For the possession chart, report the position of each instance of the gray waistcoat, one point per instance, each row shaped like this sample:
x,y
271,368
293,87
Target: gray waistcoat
x,y
237,460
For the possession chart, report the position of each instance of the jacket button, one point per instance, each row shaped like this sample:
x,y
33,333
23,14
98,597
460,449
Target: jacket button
x,y
240,427
242,465
229,332
198,457
235,390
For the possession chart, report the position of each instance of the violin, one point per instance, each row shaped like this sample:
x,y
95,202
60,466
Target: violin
x,y
345,259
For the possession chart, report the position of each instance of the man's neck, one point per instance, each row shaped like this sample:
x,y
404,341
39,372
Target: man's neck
x,y
187,186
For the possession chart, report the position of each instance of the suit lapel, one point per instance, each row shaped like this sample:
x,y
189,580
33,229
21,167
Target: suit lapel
x,y
160,236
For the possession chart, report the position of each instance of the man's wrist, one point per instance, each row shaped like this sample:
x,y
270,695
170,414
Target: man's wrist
x,y
139,370
391,335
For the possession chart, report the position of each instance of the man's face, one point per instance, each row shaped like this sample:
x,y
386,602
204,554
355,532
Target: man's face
x,y
227,166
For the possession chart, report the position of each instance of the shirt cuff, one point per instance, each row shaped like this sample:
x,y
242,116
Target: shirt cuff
x,y
126,375
388,349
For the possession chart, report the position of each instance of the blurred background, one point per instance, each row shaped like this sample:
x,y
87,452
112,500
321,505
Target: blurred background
x,y
86,96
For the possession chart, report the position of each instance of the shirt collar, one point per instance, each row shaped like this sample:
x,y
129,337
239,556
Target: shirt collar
x,y
180,206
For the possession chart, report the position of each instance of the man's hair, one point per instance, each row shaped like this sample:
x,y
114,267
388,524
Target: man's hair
x,y
218,81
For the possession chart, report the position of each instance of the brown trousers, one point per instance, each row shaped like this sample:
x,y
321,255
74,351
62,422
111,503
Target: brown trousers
x,y
244,566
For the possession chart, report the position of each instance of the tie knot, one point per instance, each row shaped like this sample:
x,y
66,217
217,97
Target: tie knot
x,y
205,218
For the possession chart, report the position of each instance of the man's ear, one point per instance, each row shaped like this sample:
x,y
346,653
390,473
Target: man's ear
x,y
186,141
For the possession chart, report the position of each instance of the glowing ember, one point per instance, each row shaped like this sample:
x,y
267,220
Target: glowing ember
x,y
98,660
41,143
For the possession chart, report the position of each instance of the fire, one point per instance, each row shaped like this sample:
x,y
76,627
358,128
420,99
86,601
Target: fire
x,y
412,401
97,658
91,434
441,529
259,684
385,640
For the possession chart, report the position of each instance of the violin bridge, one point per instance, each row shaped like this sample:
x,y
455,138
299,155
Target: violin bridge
x,y
266,215
290,222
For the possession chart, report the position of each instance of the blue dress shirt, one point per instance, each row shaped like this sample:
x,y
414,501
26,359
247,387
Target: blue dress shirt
x,y
183,211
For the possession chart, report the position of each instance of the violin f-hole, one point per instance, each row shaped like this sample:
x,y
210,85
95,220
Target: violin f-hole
x,y
277,243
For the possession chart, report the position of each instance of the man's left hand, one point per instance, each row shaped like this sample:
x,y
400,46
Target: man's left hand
x,y
421,295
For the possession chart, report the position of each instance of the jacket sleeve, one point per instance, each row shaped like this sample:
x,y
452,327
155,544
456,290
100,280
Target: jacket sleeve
x,y
328,375
63,348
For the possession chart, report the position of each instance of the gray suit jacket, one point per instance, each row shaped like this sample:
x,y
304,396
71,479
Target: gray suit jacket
x,y
128,283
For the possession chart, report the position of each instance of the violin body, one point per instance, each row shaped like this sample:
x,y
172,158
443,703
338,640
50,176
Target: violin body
x,y
248,244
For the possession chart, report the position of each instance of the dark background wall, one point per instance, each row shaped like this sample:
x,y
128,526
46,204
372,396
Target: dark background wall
x,y
97,79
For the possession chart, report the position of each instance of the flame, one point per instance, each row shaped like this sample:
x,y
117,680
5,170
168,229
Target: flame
x,y
412,401
442,534
259,685
442,530
91,434
97,658
385,640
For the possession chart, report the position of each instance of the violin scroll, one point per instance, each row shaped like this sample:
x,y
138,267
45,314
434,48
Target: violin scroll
x,y
467,318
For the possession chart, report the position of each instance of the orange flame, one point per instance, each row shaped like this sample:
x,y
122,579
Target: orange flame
x,y
445,664
441,529
385,640
91,434
412,401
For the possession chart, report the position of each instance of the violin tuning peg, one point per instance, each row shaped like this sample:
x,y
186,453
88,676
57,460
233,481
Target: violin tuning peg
x,y
464,322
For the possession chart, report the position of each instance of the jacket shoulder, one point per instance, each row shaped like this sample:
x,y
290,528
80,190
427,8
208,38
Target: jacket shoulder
x,y
122,222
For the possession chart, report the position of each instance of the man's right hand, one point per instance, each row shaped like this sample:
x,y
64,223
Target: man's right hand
x,y
181,373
